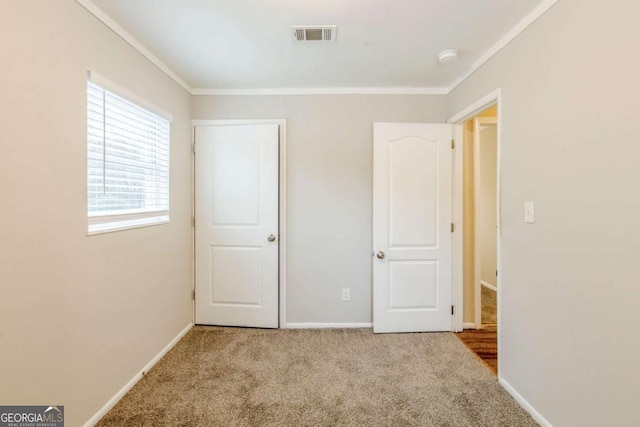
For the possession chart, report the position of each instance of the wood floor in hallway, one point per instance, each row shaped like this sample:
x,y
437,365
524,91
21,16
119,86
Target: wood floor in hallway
x,y
484,343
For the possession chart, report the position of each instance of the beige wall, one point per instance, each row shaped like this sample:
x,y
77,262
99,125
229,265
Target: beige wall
x,y
569,288
487,212
329,187
79,316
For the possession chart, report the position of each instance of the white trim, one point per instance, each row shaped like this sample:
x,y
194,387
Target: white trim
x,y
514,32
137,377
529,19
327,325
537,416
125,224
488,286
469,325
477,294
478,106
193,225
126,36
236,122
499,230
282,204
493,98
282,227
141,102
325,91
457,253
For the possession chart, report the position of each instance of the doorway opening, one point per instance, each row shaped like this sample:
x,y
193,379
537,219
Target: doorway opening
x,y
479,209
480,219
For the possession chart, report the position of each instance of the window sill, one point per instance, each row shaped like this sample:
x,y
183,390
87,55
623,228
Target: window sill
x,y
113,226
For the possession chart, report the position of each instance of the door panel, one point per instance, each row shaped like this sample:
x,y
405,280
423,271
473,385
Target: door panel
x,y
235,188
412,192
413,285
230,285
236,212
412,201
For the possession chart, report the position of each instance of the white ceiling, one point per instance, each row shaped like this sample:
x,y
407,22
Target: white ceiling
x,y
247,44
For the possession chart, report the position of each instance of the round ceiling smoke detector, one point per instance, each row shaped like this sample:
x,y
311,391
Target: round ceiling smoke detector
x,y
448,56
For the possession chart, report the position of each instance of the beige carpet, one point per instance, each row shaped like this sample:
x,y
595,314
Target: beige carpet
x,y
489,302
340,377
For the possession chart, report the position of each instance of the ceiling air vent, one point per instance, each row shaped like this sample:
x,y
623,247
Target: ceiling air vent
x,y
314,33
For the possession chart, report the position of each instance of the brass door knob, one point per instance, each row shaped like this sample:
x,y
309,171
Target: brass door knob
x,y
272,238
380,255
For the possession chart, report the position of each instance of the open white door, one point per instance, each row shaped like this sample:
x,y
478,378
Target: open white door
x,y
412,208
237,225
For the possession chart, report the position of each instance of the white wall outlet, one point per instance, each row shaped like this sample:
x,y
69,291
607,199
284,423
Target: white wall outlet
x,y
346,294
529,212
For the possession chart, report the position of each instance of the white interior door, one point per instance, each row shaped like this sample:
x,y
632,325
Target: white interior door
x,y
412,211
237,225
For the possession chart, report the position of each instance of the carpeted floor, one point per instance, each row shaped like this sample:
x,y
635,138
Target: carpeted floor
x,y
488,300
338,377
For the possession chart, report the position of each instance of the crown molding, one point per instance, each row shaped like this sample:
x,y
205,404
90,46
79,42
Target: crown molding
x,y
135,43
326,91
499,45
481,104
529,19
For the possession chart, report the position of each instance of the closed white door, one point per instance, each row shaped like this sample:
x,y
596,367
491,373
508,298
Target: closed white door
x,y
412,211
237,225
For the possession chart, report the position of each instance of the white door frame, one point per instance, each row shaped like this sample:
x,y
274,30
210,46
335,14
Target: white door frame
x,y
493,98
477,251
282,203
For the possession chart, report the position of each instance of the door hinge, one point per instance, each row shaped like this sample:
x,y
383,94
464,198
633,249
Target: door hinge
x,y
453,144
193,148
453,310
453,227
193,294
193,221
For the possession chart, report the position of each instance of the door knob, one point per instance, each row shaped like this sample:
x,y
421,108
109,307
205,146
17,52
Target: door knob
x,y
271,238
380,255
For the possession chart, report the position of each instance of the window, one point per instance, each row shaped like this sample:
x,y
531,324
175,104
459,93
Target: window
x,y
127,162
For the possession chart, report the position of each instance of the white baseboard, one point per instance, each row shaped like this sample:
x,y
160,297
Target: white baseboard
x,y
469,325
327,325
111,403
488,286
526,405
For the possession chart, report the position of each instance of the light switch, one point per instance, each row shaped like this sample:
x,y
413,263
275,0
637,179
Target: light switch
x,y
529,212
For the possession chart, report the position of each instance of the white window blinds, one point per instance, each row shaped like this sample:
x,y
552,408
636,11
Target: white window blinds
x,y
128,162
